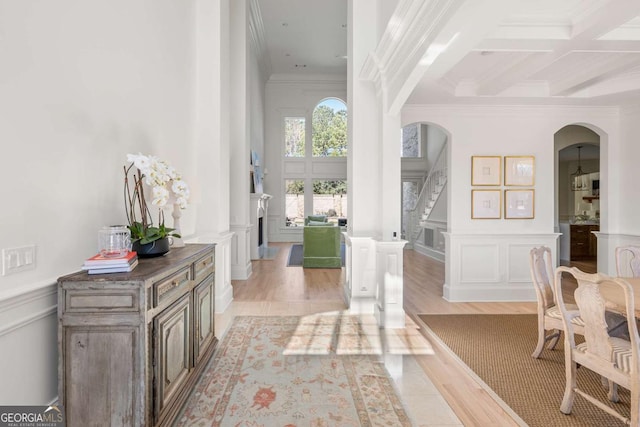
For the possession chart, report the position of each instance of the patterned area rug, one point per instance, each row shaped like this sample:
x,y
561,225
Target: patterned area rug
x,y
251,383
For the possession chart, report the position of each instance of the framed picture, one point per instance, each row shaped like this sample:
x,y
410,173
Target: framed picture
x,y
519,170
485,170
519,204
485,204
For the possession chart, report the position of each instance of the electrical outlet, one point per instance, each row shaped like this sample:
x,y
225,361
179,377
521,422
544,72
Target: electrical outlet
x,y
15,260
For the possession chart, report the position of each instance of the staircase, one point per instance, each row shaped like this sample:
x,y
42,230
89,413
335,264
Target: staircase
x,y
433,186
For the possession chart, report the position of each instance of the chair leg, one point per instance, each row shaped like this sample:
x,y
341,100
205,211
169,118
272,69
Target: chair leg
x,y
569,389
553,338
541,341
612,394
635,410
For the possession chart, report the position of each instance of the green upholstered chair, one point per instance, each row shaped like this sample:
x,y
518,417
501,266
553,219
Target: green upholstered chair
x,y
321,247
316,220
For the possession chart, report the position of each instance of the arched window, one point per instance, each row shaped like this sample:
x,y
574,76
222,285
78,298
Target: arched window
x,y
329,129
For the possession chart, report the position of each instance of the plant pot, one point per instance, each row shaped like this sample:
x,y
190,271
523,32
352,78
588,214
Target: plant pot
x,y
153,249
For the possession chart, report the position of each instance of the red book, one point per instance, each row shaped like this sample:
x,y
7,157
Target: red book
x,y
98,261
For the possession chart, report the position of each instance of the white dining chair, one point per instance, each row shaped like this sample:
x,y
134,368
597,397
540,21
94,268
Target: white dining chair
x,y
615,359
549,316
628,261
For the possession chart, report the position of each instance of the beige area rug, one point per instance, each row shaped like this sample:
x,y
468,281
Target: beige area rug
x,y
343,333
497,348
250,383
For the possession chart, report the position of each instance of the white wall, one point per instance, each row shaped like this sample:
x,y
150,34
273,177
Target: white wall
x,y
82,84
485,256
628,172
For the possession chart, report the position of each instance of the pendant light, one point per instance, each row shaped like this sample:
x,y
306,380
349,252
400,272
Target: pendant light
x,y
578,183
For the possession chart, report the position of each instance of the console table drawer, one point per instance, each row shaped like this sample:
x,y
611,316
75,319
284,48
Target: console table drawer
x,y
103,301
203,267
168,287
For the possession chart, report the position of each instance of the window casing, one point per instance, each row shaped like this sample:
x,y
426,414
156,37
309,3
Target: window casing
x,y
315,163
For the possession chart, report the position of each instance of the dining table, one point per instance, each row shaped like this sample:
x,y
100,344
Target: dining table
x,y
615,297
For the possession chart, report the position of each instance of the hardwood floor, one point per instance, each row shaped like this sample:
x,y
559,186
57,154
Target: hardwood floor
x,y
273,281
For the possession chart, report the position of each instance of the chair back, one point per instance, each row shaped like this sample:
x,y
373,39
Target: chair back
x,y
595,295
628,261
541,275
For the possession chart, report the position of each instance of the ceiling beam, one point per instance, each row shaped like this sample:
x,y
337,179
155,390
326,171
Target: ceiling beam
x,y
610,16
530,45
594,73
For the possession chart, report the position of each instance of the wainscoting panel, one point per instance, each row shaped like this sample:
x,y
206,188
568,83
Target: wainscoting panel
x,y
480,263
491,267
224,260
518,263
28,339
240,252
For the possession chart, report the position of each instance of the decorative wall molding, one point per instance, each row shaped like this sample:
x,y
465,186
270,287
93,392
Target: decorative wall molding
x,y
488,110
28,336
240,252
224,290
389,308
257,38
404,45
492,267
28,307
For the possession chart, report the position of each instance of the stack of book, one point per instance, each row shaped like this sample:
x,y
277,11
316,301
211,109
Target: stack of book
x,y
99,264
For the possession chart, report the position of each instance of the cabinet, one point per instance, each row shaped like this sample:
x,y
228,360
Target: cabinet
x,y
132,345
583,241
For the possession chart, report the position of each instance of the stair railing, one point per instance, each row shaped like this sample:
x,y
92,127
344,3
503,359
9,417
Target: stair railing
x,y
436,178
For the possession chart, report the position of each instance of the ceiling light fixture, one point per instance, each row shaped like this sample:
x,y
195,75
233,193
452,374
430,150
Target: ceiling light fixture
x,y
578,183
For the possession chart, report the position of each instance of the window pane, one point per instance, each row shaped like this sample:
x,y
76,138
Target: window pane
x,y
411,141
330,198
294,136
294,202
329,134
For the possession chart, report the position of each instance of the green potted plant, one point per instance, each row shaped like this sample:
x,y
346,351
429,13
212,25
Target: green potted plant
x,y
167,186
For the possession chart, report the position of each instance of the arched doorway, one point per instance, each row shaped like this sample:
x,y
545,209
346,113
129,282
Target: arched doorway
x,y
423,188
578,195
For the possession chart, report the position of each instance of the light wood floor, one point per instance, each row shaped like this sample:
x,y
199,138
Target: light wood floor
x,y
273,281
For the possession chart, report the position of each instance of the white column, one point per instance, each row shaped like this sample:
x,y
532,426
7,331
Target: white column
x,y
239,120
389,310
210,191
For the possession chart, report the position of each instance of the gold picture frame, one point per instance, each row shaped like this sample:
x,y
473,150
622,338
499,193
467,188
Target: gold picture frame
x,y
519,204
486,204
519,171
486,170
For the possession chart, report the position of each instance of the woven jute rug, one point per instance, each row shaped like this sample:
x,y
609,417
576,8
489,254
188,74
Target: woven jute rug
x,y
250,382
497,348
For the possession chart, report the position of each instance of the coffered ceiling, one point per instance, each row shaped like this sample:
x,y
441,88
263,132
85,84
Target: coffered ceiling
x,y
584,52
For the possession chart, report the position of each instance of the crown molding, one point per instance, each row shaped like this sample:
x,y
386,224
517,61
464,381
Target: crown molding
x,y
413,27
257,37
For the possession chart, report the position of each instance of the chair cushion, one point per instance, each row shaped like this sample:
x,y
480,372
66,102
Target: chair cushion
x,y
319,218
622,353
317,223
554,311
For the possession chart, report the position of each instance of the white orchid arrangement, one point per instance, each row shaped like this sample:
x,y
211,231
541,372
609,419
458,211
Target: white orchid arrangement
x,y
166,186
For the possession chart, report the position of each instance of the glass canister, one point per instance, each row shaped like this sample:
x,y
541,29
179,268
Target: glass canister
x,y
114,241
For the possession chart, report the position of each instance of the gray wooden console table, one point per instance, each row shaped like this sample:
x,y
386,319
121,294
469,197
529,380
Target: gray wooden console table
x,y
132,345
